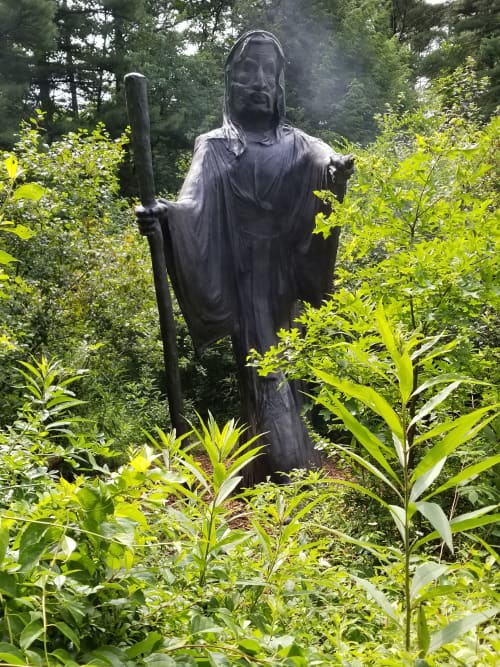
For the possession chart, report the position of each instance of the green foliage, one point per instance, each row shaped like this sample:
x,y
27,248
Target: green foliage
x,y
11,194
46,439
156,563
84,300
408,470
471,33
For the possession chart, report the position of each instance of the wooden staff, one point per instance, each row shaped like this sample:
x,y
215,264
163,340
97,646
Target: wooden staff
x,y
150,226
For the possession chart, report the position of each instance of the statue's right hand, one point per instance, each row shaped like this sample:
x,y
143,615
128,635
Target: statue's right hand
x,y
147,216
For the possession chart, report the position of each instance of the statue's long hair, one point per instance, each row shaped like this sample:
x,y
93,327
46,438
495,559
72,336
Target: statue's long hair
x,y
233,133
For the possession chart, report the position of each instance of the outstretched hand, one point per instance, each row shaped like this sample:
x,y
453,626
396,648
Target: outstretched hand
x,y
341,169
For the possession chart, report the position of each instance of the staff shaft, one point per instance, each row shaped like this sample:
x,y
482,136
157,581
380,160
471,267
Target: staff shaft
x,y
137,106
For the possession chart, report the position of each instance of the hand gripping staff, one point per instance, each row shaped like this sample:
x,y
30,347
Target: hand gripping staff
x,y
148,216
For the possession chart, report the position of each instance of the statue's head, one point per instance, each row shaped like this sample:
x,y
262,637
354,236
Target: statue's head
x,y
254,72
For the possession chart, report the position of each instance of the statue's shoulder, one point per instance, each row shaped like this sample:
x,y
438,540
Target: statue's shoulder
x,y
208,137
312,146
314,142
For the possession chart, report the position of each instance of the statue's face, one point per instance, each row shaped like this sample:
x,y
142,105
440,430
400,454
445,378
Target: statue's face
x,y
254,83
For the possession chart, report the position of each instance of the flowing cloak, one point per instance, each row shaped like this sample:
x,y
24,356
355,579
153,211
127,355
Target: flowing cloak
x,y
241,254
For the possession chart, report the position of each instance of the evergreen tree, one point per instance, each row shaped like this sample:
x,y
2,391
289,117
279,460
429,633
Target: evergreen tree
x,y
473,28
27,30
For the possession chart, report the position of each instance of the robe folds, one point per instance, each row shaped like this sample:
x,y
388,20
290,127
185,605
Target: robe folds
x,y
242,254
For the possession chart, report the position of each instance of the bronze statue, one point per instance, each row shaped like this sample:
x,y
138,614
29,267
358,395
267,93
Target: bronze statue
x,y
239,240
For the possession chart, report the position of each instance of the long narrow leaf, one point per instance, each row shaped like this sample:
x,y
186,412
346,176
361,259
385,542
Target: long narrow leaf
x,y
368,466
433,402
399,516
365,437
368,396
427,345
487,547
424,481
438,519
424,574
244,460
386,332
379,598
363,490
404,368
423,636
465,428
456,629
381,552
460,526
401,358
466,474
227,487
445,377
189,463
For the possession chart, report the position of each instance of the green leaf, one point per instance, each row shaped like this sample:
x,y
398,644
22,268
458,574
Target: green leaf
x,y
109,655
264,538
386,332
401,358
438,519
218,659
64,657
367,465
424,574
425,480
12,166
30,191
6,258
30,633
445,377
69,633
399,516
67,545
11,655
361,489
381,552
8,584
369,397
379,598
461,524
250,646
462,429
456,629
4,542
405,376
159,660
423,635
469,517
203,624
467,474
228,486
427,345
365,437
31,554
434,402
21,232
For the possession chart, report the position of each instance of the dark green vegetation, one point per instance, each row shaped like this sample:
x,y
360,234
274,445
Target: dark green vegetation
x,y
117,547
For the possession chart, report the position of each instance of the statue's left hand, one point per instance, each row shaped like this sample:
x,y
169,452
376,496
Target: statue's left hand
x,y
341,169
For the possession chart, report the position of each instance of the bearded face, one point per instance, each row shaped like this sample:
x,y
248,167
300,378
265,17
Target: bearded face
x,y
254,84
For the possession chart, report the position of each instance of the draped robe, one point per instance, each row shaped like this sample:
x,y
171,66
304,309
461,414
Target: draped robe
x,y
242,254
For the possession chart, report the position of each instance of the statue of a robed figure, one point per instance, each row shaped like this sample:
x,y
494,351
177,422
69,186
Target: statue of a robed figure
x,y
239,242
